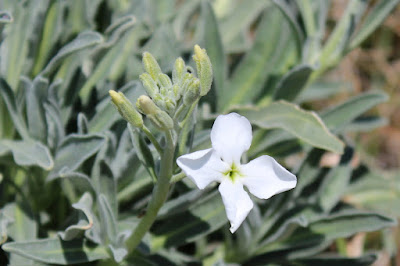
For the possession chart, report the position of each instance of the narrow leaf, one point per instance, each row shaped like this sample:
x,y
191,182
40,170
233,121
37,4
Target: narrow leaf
x,y
57,251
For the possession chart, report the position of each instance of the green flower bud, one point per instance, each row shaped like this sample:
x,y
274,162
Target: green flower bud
x,y
164,81
192,93
179,70
151,66
164,121
159,117
149,84
204,69
126,109
146,105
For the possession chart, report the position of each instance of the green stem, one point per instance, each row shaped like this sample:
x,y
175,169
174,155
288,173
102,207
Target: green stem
x,y
152,139
177,177
159,196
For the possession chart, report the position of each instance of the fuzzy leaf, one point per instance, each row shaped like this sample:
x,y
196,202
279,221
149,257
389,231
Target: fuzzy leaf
x,y
28,153
305,125
57,251
339,116
83,40
73,151
85,222
201,219
210,39
374,18
9,99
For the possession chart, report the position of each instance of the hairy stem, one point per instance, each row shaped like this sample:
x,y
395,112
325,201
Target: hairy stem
x,y
160,193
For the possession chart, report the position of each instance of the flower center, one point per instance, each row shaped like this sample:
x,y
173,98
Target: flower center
x,y
234,173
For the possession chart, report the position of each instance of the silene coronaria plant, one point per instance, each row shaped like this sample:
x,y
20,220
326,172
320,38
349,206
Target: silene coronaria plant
x,y
120,144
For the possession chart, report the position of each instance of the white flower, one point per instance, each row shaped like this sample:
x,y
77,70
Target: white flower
x,y
231,136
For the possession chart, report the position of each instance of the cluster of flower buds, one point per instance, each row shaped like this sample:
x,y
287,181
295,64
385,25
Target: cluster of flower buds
x,y
167,101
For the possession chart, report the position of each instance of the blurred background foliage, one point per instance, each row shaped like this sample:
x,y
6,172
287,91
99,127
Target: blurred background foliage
x,y
70,171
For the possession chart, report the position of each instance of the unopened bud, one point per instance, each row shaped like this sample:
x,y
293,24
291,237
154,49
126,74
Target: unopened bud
x,y
159,117
192,93
164,121
149,84
179,70
150,65
146,105
126,109
164,81
204,69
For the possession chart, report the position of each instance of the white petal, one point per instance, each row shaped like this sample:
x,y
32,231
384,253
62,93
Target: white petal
x,y
237,202
231,136
264,177
203,167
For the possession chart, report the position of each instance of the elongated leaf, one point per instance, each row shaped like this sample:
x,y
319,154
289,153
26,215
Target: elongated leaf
x,y
74,150
201,219
56,251
210,39
241,17
106,65
85,218
291,17
80,181
143,151
340,37
104,182
250,75
337,117
335,226
292,83
367,123
333,260
336,182
28,153
84,40
35,96
375,17
305,125
9,99
23,228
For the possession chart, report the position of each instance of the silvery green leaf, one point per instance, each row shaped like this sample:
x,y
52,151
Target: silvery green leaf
x,y
249,76
10,102
209,37
305,125
57,251
36,95
85,222
374,18
83,40
333,260
27,153
82,124
293,82
335,182
73,151
22,228
240,18
143,151
200,219
105,184
337,117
